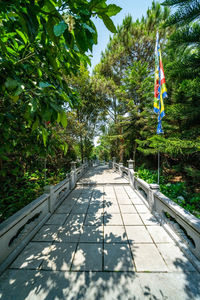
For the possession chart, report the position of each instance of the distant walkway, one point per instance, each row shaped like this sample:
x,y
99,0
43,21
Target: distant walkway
x,y
102,175
101,243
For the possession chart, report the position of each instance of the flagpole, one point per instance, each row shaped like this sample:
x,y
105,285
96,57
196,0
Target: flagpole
x,y
158,167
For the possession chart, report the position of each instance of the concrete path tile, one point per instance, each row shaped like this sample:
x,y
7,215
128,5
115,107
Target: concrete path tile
x,y
110,202
83,200
48,233
111,198
119,190
112,219
147,258
115,234
170,286
159,234
19,284
91,234
75,220
137,201
175,259
96,201
95,219
98,194
59,257
95,210
85,196
138,234
128,209
112,286
131,193
80,208
111,209
117,257
132,219
64,208
109,195
149,219
95,207
88,257
124,201
71,198
142,209
69,234
57,219
32,256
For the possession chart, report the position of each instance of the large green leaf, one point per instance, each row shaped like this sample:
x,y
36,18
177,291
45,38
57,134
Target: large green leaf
x,y
35,125
45,85
64,147
44,136
22,35
10,50
109,23
60,28
63,118
112,10
81,39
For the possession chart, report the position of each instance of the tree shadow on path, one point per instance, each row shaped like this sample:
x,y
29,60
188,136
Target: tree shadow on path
x,y
75,257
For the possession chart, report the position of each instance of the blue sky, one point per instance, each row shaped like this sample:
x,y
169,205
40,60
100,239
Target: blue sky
x,y
136,8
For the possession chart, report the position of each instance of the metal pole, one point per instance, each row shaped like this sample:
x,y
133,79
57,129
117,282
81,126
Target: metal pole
x,y
45,167
158,167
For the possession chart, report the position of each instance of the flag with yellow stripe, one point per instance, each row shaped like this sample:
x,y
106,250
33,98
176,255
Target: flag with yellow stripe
x,y
160,91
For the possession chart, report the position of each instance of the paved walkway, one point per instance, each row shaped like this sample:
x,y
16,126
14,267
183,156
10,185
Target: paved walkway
x,y
102,175
101,243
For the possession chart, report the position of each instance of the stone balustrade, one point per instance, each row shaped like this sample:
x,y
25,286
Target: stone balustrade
x,y
18,230
183,227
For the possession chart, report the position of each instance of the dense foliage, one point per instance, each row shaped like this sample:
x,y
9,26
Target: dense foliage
x,y
42,44
174,189
128,62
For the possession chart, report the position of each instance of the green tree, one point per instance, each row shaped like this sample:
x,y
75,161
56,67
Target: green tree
x,y
181,142
42,43
128,62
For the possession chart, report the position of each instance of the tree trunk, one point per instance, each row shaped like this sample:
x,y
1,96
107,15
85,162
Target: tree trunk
x,y
82,152
121,146
134,153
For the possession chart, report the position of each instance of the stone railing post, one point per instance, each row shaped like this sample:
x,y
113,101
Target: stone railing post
x,y
130,164
154,188
131,172
73,165
73,176
114,161
69,178
48,189
120,169
110,164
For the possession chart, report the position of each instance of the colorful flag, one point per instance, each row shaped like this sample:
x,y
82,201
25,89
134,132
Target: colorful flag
x,y
160,91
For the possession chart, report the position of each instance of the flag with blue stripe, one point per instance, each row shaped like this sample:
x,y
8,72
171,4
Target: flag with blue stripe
x,y
160,91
